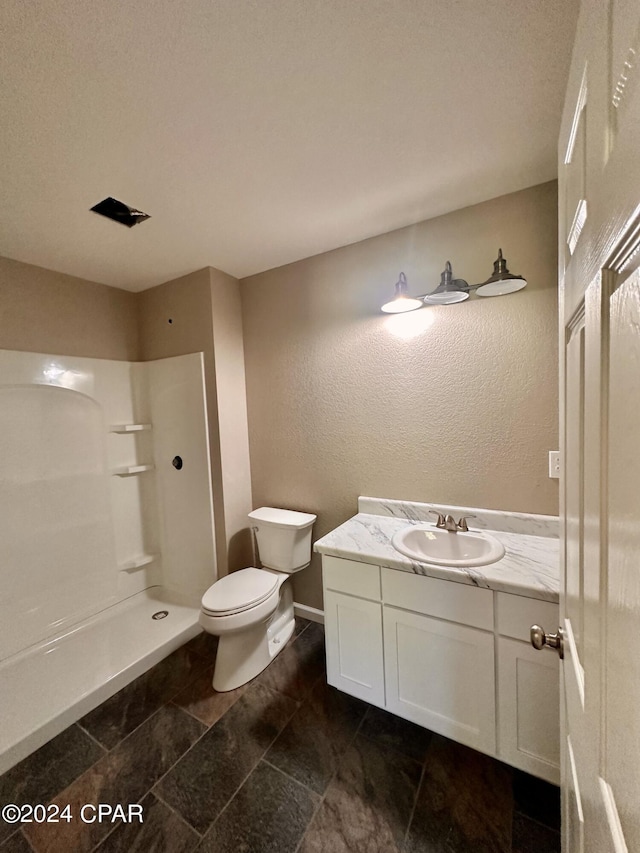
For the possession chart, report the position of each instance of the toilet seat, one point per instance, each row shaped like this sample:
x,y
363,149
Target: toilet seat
x,y
239,591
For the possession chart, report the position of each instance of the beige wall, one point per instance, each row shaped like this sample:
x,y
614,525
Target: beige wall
x,y
462,412
46,311
204,309
175,317
233,430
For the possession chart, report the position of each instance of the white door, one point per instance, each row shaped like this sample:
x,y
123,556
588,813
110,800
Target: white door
x,y
599,208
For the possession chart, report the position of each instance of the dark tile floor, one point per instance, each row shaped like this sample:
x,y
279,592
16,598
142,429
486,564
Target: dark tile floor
x,y
285,764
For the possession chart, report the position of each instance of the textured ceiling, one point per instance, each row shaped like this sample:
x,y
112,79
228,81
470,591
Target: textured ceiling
x,y
258,133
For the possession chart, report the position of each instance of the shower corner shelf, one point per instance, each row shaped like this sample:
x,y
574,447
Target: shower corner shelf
x,y
124,428
137,563
130,470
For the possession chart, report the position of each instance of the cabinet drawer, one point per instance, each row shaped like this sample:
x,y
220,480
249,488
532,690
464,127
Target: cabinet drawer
x,y
455,602
516,615
361,579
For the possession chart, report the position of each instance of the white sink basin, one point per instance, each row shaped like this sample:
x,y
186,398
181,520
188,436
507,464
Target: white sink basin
x,y
427,544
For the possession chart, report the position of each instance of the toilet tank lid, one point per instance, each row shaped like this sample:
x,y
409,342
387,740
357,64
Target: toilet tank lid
x,y
282,517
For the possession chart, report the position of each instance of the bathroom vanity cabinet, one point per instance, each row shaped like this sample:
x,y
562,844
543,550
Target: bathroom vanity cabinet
x,y
449,656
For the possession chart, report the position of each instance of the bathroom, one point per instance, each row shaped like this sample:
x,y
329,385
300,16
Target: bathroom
x,y
277,383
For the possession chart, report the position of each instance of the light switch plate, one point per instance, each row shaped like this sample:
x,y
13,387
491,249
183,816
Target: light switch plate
x,y
554,464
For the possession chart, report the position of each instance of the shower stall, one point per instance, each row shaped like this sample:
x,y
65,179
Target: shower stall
x,y
106,531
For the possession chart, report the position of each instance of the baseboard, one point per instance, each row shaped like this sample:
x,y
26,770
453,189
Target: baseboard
x,y
310,613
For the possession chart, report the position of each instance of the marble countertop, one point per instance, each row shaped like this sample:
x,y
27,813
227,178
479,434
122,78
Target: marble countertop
x,y
529,567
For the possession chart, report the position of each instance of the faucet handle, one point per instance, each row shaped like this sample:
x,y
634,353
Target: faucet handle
x,y
440,522
462,523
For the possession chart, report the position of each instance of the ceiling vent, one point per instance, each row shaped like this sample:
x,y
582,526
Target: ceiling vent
x,y
120,212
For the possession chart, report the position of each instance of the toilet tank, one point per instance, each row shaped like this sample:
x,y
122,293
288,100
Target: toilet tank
x,y
284,538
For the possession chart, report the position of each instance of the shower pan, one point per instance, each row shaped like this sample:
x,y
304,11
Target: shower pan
x,y
106,545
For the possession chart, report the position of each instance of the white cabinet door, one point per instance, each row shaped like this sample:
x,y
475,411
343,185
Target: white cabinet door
x,y
441,675
353,637
529,709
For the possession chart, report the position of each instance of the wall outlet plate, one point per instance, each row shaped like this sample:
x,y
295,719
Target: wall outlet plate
x,y
554,464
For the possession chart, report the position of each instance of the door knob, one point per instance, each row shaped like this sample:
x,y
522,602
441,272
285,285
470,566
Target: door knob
x,y
555,641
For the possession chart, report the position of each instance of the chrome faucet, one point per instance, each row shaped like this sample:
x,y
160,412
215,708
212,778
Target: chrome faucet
x,y
448,522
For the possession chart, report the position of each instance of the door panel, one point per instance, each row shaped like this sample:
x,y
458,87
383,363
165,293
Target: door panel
x,y
575,172
574,506
573,816
621,761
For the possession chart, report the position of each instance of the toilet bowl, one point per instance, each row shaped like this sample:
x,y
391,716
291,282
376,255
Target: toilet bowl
x,y
251,610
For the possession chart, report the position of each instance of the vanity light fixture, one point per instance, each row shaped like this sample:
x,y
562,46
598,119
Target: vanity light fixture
x,y
502,281
449,291
452,290
401,301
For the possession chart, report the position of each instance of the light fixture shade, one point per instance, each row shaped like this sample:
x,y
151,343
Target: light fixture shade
x,y
401,301
446,298
502,281
450,289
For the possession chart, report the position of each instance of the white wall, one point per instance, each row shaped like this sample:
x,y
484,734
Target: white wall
x,y
178,412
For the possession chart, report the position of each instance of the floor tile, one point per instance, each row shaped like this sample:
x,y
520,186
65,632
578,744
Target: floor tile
x,y
112,721
314,740
300,625
161,831
532,837
48,771
299,665
537,799
465,803
204,644
399,734
123,776
16,843
201,700
202,783
252,782
269,814
368,804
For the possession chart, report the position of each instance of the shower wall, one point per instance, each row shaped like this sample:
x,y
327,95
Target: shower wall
x,y
94,503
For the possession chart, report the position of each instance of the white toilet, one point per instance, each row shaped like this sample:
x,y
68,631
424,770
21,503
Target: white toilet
x,y
252,610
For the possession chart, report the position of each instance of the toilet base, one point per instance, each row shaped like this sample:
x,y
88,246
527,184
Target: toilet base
x,y
243,655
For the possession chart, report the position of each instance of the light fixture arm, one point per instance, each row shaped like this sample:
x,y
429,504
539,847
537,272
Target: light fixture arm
x,y
500,265
401,301
500,273
448,282
401,288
